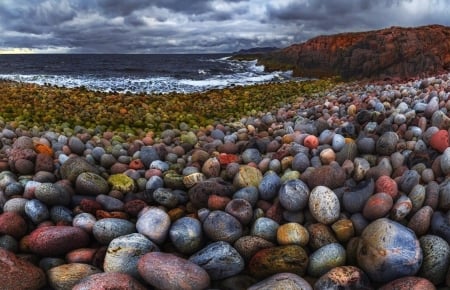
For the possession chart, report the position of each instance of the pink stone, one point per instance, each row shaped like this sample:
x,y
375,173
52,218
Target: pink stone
x,y
57,240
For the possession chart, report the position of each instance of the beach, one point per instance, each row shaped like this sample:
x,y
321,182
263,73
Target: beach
x,y
311,185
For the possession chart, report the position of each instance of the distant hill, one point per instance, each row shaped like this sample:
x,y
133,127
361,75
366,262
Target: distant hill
x,y
392,52
252,53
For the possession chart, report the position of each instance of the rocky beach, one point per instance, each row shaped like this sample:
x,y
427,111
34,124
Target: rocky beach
x,y
333,186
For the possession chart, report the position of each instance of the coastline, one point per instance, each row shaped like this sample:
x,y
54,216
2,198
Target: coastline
x,y
201,162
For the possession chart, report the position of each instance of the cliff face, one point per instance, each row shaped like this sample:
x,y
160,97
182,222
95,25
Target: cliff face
x,y
392,52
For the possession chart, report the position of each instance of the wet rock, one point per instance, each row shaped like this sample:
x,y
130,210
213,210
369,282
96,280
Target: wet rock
x,y
332,176
221,226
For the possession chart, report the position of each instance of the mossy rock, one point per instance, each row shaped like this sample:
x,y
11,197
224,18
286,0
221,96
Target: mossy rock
x,y
121,182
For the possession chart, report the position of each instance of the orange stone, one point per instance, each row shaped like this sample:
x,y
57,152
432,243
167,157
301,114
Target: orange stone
x,y
136,164
216,202
388,185
44,149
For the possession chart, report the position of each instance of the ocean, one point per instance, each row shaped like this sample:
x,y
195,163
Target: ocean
x,y
136,73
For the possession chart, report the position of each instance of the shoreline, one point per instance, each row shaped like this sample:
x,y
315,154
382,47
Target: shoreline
x,y
320,173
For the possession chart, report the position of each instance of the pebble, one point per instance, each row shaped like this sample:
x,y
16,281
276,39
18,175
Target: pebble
x,y
241,209
36,211
51,194
186,235
221,226
436,258
105,281
324,205
154,223
89,183
247,246
326,258
343,277
377,206
410,283
265,228
66,276
13,224
269,185
219,259
282,281
247,176
124,252
294,195
292,234
378,253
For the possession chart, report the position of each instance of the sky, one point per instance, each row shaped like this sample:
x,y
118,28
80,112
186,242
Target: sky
x,y
196,26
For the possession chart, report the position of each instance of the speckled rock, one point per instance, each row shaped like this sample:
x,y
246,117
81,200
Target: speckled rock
x,y
355,198
247,176
186,235
294,195
68,275
269,185
408,283
121,182
76,145
88,183
420,222
247,246
219,259
241,209
124,252
13,224
445,161
107,281
326,258
320,235
18,273
221,226
269,261
57,240
154,223
324,204
36,211
408,180
343,277
377,206
292,234
74,166
378,253
436,258
107,229
387,143
332,176
167,271
282,281
265,228
51,194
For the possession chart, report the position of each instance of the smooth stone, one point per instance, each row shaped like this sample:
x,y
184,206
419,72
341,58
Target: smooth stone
x,y
265,228
420,222
221,226
199,193
9,243
366,145
247,176
408,283
331,176
121,182
89,183
68,275
408,180
53,241
167,271
294,195
153,183
326,258
343,229
440,225
251,155
387,143
154,223
320,235
417,197
241,209
51,194
282,281
13,224
186,235
148,154
219,259
445,161
440,141
300,162
49,262
36,211
292,234
436,258
378,253
107,229
338,142
18,273
74,166
110,203
377,206
238,282
160,165
348,152
279,259
76,145
401,208
269,185
388,185
124,252
324,204
343,277
84,221
166,197
247,246
444,195
107,281
361,166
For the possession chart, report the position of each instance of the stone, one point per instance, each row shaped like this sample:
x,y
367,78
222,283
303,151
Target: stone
x,y
247,176
36,211
107,281
74,166
292,234
410,283
294,195
121,182
436,258
326,258
51,194
57,240
343,277
386,144
247,246
440,141
279,259
355,198
332,176
219,259
265,228
241,209
154,223
282,281
388,185
378,254
199,193
68,275
377,206
107,229
269,185
13,224
18,273
324,205
445,161
186,235
221,226
124,252
88,183
167,271
76,145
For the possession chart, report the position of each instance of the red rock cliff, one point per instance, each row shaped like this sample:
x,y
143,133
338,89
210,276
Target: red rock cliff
x,y
392,52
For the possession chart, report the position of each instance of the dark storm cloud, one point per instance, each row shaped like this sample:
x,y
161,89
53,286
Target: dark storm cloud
x,y
154,26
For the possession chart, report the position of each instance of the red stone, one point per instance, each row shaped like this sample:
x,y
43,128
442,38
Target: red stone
x,y
409,283
106,281
377,206
136,164
54,241
90,206
388,185
225,159
311,142
216,202
13,224
440,140
133,207
83,255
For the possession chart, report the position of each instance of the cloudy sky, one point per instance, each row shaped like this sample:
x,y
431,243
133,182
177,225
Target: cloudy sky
x,y
189,26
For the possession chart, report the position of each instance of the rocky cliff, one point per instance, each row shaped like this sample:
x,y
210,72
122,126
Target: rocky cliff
x,y
393,52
